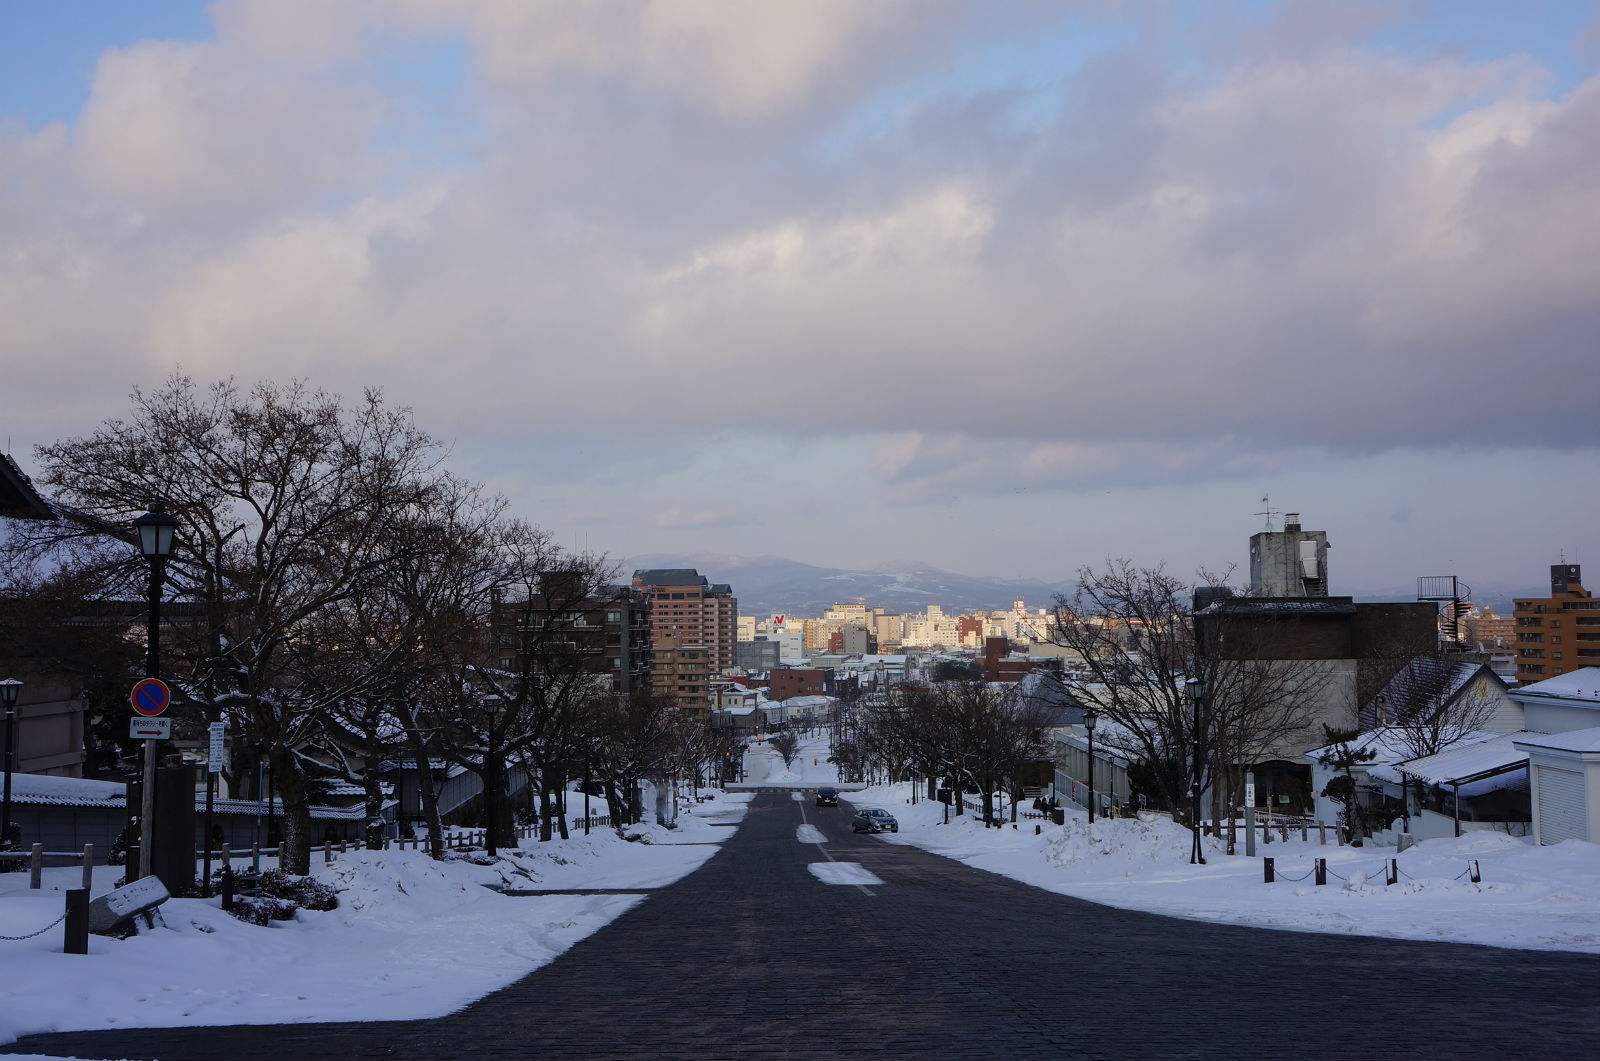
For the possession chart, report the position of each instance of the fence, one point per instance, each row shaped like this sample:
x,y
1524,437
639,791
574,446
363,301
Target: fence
x,y
1391,869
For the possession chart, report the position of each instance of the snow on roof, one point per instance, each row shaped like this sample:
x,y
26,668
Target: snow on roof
x,y
740,711
808,701
1581,684
52,791
1577,740
1462,762
1388,744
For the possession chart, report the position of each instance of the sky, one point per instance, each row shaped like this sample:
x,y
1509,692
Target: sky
x,y
1006,288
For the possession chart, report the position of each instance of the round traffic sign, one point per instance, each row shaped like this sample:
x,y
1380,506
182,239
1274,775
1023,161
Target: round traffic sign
x,y
150,697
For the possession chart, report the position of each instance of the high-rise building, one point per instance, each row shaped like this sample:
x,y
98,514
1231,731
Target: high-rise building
x,y
1558,633
746,628
609,629
697,621
1289,563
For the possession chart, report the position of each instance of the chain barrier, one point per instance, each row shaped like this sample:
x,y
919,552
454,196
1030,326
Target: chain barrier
x,y
1382,869
30,935
1296,880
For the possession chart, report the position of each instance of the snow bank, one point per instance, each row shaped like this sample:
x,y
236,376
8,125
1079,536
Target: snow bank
x,y
411,938
1530,897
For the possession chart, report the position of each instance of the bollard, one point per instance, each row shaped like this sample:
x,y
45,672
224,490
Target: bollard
x,y
1304,833
1473,874
1266,870
77,933
88,867
227,886
1036,829
1322,833
1338,837
1392,874
1283,833
341,847
36,867
1321,868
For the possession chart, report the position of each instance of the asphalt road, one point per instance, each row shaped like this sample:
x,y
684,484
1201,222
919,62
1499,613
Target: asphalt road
x,y
752,956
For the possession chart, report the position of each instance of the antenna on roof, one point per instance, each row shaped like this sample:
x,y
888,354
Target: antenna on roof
x,y
1266,510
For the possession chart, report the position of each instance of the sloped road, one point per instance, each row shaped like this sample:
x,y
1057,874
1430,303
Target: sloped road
x,y
753,957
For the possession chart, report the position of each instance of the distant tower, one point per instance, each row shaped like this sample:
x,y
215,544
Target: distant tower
x,y
1289,563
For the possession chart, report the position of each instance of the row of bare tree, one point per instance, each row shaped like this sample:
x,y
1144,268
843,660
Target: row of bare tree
x,y
343,601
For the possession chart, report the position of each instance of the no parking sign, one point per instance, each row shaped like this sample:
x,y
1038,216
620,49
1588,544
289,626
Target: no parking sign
x,y
150,697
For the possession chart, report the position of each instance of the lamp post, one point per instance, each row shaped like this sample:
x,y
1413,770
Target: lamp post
x,y
155,531
10,689
1197,695
1089,720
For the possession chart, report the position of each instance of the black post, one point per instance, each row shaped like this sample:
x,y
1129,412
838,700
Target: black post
x,y
11,753
585,797
77,934
272,815
1321,867
227,886
1266,870
147,810
1197,855
211,792
1091,775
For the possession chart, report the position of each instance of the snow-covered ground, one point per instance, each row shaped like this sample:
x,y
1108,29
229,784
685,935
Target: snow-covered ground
x,y
411,937
1531,897
763,764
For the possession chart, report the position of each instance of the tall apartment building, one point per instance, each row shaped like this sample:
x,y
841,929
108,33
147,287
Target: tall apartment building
x,y
888,629
1558,633
611,629
689,615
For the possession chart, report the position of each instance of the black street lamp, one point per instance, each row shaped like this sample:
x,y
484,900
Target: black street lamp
x,y
10,689
1197,695
1089,720
155,530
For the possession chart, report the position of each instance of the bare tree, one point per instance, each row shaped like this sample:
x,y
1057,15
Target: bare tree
x,y
285,498
787,745
1431,703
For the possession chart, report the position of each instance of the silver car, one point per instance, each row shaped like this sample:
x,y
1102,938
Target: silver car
x,y
874,820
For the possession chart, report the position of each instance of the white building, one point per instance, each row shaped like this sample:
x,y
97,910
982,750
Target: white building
x,y
1564,759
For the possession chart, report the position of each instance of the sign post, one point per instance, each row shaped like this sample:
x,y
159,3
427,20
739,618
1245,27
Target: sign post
x,y
1250,815
213,768
150,698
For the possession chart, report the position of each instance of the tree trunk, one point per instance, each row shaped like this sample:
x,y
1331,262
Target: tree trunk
x,y
961,801
988,801
544,807
933,787
294,850
561,802
372,791
427,794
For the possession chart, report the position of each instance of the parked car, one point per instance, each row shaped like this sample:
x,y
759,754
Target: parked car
x,y
827,797
874,820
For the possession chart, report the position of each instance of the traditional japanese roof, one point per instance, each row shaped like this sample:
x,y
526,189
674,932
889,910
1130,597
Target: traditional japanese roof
x,y
50,791
19,498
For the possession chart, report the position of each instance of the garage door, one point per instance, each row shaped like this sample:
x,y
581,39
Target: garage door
x,y
1561,806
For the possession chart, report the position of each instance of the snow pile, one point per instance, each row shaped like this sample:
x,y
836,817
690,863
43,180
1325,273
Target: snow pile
x,y
1533,897
410,938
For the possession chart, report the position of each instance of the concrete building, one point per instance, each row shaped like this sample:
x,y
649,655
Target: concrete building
x,y
745,628
890,629
612,628
680,673
697,621
758,655
1289,563
1559,633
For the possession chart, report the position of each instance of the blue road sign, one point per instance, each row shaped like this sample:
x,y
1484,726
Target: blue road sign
x,y
150,697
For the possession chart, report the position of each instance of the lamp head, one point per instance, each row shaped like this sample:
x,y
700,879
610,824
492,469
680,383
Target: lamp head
x,y
156,529
10,689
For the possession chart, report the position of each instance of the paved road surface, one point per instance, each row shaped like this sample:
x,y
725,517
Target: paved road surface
x,y
752,956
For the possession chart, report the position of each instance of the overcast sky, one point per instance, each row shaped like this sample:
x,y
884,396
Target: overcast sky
x,y
1005,288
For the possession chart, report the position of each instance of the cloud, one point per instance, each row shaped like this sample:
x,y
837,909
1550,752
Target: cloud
x,y
848,230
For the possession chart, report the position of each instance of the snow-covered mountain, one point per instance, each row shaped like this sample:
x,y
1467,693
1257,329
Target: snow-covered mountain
x,y
771,584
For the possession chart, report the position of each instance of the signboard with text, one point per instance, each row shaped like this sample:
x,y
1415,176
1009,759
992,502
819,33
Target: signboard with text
x,y
150,728
214,752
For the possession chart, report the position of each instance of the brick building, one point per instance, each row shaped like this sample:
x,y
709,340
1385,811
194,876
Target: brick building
x,y
1558,633
800,681
694,620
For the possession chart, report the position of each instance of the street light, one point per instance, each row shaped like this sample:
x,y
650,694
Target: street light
x,y
155,531
1089,720
1197,694
10,689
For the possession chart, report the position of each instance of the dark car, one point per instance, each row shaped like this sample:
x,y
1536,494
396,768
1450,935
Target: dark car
x,y
874,820
827,797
